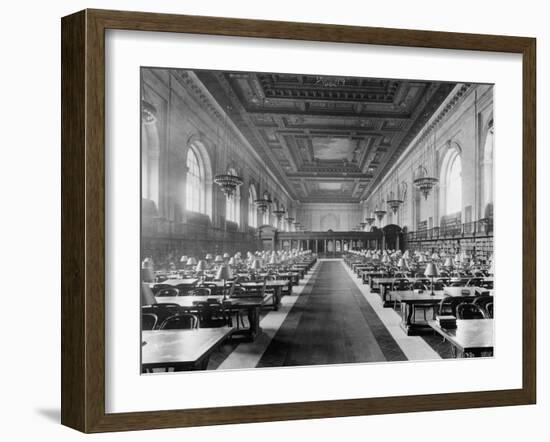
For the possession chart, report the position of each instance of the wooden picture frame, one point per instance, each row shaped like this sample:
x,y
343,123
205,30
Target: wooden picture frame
x,y
83,220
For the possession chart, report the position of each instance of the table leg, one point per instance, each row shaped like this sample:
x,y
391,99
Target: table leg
x,y
254,320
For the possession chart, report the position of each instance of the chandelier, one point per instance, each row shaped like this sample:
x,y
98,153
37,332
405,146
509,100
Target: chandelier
x,y
394,204
424,182
362,224
279,213
228,183
370,220
380,213
148,112
263,203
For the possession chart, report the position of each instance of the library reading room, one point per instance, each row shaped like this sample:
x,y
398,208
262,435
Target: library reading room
x,y
299,220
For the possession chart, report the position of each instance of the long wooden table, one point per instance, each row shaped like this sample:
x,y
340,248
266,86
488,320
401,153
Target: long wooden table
x,y
277,285
181,349
472,337
251,305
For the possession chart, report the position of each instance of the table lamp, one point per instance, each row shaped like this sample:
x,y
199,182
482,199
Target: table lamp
x,y
192,261
200,268
432,272
448,262
218,259
224,273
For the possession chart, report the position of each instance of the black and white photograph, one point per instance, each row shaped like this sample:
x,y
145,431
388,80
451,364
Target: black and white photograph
x,y
295,219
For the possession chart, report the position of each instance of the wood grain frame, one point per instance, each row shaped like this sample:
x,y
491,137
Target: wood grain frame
x,y
83,220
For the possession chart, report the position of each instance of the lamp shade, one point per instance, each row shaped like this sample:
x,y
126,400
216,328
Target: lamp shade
x,y
435,256
218,259
224,272
448,262
192,261
273,259
226,255
491,270
431,270
184,258
208,256
201,266
147,297
232,261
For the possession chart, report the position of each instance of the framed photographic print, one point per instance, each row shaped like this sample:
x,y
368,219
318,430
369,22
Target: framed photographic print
x,y
268,221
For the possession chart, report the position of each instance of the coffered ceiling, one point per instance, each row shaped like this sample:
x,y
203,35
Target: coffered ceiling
x,y
328,139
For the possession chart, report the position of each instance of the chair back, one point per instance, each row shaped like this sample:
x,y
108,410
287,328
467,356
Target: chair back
x,y
474,282
401,284
162,309
419,285
148,321
168,291
448,305
489,309
200,291
469,311
181,321
482,301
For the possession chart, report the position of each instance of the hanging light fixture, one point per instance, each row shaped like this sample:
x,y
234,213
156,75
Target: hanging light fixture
x,y
370,220
228,182
379,212
394,200
149,112
263,203
423,181
279,212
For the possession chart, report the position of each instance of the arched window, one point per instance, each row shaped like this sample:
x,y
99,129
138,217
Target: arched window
x,y
453,186
150,154
195,189
233,204
252,210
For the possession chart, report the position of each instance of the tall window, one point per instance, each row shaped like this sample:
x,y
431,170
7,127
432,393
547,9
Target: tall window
x,y
487,172
252,211
195,185
233,204
453,186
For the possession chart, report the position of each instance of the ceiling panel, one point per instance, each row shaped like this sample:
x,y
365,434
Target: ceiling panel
x,y
328,139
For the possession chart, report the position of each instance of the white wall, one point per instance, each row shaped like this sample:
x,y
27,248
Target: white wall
x,y
30,172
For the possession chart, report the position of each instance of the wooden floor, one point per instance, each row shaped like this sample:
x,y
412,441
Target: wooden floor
x,y
331,323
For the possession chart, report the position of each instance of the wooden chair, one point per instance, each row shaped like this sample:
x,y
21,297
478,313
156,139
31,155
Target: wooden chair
x,y
158,287
200,291
474,282
168,291
489,309
149,321
162,310
467,310
212,314
482,301
448,305
401,284
181,321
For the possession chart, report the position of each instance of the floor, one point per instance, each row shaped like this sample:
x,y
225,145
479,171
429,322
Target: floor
x,y
331,318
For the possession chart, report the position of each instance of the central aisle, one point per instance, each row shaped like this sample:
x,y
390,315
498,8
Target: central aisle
x,y
331,323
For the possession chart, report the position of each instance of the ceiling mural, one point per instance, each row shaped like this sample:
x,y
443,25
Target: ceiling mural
x,y
328,139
